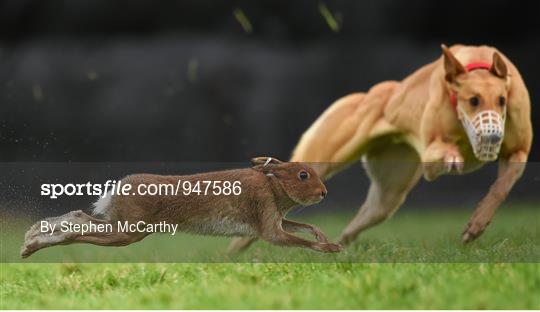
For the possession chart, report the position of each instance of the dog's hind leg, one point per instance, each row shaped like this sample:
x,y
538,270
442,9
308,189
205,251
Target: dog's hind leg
x,y
393,170
35,239
340,135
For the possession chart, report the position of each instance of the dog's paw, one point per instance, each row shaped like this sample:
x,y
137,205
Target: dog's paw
x,y
453,161
470,234
475,227
433,170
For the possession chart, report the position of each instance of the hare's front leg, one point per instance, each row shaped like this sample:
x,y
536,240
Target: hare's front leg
x,y
241,243
275,234
283,238
292,226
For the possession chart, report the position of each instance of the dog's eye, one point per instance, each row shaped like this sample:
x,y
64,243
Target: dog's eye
x,y
474,101
303,175
502,101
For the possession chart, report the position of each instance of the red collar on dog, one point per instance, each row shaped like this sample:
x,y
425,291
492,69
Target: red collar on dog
x,y
468,68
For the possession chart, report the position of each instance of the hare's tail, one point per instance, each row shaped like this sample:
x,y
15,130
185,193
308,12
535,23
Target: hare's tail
x,y
102,205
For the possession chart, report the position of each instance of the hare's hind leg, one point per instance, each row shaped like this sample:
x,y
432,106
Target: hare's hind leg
x,y
394,169
239,244
35,239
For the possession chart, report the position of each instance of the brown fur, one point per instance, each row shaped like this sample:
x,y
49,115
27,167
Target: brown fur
x,y
269,191
412,124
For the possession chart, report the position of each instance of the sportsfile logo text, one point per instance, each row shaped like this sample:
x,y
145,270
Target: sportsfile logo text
x,y
115,187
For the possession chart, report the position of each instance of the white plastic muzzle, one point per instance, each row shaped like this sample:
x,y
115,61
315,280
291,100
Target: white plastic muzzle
x,y
485,132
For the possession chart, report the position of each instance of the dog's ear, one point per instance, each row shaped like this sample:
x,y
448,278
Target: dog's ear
x,y
452,66
498,67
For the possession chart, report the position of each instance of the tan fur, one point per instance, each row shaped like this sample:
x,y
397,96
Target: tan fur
x,y
269,191
413,122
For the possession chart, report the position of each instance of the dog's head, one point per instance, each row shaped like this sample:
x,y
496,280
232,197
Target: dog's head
x,y
480,97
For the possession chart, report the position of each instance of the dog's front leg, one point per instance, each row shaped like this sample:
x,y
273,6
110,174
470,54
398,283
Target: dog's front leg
x,y
440,158
510,170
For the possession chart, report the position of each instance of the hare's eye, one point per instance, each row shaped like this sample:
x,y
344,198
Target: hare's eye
x,y
502,101
303,175
474,101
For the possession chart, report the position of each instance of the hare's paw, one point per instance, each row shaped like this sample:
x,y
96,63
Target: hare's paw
x,y
329,247
319,235
29,247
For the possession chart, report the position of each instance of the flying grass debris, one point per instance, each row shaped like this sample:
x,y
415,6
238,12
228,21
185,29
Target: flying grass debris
x,y
243,20
329,18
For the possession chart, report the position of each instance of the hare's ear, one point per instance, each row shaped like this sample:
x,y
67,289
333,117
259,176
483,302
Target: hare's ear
x,y
265,161
452,66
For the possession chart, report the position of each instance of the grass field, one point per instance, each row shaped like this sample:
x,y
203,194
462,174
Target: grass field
x,y
437,271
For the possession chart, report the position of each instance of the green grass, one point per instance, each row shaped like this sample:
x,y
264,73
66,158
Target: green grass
x,y
354,279
270,286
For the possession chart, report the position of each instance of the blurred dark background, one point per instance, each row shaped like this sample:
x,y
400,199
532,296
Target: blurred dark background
x,y
203,80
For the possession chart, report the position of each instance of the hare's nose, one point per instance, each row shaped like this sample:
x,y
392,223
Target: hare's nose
x,y
323,193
